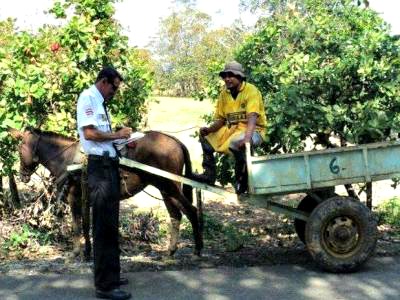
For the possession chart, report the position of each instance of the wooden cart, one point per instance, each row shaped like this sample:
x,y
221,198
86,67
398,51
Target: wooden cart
x,y
339,231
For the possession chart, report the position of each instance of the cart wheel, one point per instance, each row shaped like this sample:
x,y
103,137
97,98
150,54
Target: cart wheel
x,y
307,204
341,234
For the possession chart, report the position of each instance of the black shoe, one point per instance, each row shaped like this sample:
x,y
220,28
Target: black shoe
x,y
115,294
123,281
240,188
203,178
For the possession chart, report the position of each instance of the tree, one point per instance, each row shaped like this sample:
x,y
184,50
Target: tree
x,y
42,74
179,34
324,69
189,51
276,6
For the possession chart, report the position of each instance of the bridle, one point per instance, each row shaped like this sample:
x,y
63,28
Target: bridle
x,y
35,157
26,171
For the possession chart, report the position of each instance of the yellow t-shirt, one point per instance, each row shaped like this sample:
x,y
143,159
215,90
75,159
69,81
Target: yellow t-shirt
x,y
234,112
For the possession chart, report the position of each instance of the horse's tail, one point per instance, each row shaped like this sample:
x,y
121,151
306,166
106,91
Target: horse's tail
x,y
187,189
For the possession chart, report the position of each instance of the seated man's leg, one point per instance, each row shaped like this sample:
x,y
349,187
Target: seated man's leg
x,y
209,166
241,179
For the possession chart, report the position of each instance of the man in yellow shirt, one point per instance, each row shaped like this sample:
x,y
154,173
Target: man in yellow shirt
x,y
239,118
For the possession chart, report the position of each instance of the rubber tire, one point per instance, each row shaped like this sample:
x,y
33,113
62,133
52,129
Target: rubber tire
x,y
307,204
360,215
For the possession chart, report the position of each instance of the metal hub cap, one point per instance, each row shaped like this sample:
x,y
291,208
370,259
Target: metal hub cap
x,y
341,235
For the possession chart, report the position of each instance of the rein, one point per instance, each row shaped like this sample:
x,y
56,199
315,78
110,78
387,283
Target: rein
x,y
60,152
36,146
186,129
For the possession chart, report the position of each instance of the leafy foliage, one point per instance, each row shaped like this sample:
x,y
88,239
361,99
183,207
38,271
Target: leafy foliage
x,y
190,53
43,74
389,212
325,69
276,6
25,237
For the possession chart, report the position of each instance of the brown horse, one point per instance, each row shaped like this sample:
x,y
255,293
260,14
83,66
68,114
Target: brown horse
x,y
55,152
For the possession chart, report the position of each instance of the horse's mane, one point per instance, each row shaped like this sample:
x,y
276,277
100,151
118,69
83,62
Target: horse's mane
x,y
50,134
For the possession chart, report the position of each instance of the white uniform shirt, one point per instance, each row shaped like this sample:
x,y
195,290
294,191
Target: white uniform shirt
x,y
90,111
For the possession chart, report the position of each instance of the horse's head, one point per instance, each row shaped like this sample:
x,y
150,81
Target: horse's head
x,y
29,159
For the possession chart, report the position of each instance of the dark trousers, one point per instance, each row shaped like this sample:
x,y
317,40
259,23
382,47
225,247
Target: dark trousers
x,y
104,194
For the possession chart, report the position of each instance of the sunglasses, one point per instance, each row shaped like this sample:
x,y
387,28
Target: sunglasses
x,y
114,86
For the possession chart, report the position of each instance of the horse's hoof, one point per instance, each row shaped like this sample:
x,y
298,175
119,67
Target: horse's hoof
x,y
76,251
167,259
196,258
87,258
72,257
171,252
86,255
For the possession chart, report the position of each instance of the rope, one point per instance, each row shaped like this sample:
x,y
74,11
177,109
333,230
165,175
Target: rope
x,y
152,195
123,182
187,129
60,152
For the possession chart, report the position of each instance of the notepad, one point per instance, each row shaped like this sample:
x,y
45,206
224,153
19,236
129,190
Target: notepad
x,y
120,143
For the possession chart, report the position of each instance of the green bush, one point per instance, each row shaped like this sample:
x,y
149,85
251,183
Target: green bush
x,y
325,69
42,75
389,212
25,237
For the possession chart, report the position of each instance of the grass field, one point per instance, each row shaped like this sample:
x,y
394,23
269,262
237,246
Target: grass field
x,y
180,117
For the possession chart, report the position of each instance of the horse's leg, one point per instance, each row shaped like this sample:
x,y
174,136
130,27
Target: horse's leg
x,y
75,204
85,203
175,220
180,201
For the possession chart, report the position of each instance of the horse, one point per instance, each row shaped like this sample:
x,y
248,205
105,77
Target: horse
x,y
55,152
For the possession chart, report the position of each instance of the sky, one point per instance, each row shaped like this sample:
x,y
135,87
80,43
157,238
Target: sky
x,y
140,18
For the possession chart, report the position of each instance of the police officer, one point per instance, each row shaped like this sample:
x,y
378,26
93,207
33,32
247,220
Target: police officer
x,y
96,138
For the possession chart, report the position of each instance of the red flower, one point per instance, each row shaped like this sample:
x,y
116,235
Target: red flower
x,y
55,47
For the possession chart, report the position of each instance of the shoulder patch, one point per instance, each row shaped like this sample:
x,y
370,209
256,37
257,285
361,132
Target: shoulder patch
x,y
89,111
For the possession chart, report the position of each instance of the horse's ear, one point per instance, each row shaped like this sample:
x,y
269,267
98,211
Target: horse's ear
x,y
15,133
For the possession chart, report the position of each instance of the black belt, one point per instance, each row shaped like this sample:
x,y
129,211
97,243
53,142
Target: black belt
x,y
101,157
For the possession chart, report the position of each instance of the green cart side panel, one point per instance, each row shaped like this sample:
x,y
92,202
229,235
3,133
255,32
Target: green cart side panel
x,y
384,161
279,175
289,173
338,167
